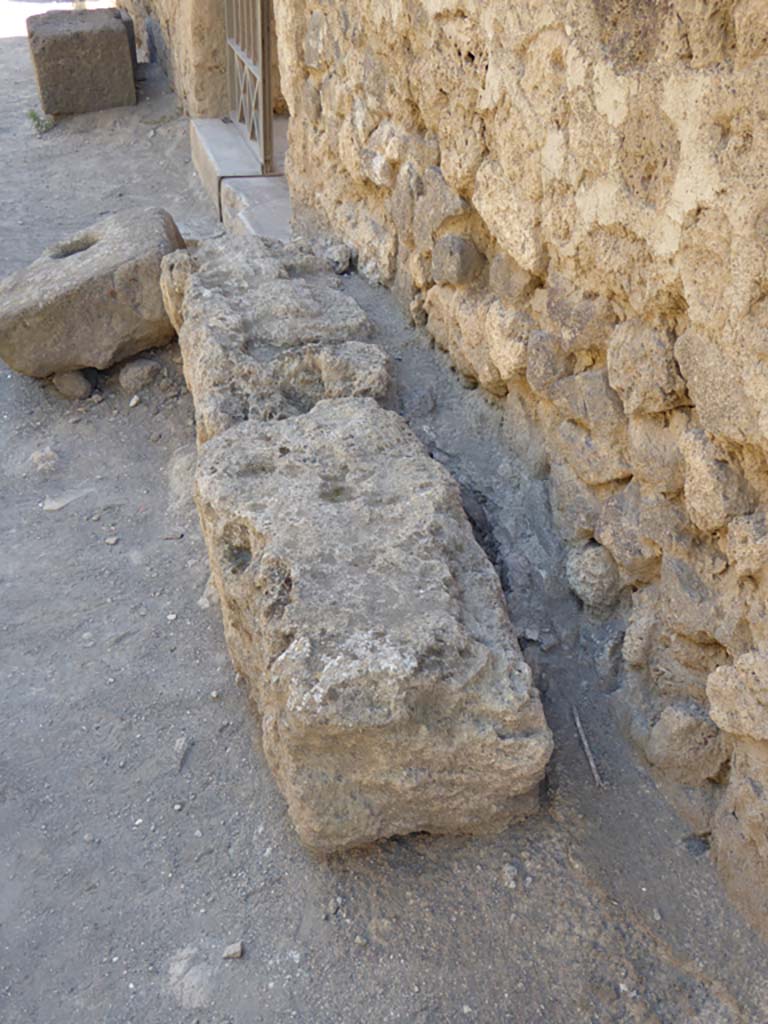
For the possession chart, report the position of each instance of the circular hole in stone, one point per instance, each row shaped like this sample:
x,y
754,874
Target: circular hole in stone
x,y
72,247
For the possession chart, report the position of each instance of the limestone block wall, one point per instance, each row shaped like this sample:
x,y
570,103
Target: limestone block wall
x,y
573,194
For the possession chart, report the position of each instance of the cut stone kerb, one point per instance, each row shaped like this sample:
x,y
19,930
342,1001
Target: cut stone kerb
x,y
83,60
371,628
265,332
92,299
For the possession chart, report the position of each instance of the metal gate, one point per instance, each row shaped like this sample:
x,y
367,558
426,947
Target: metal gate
x,y
249,64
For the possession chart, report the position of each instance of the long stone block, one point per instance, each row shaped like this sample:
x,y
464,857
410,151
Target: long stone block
x,y
371,628
91,300
83,60
265,332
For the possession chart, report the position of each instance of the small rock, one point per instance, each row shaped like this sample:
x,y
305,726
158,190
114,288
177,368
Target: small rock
x,y
138,374
111,541
44,460
509,876
181,748
340,257
72,384
215,694
134,402
233,952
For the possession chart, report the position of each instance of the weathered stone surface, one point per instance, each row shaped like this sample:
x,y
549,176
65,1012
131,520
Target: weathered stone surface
x,y
715,490
609,162
371,628
641,367
686,743
261,342
82,61
455,260
188,38
738,695
91,300
740,831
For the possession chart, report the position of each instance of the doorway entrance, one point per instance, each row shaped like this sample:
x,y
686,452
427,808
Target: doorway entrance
x,y
251,70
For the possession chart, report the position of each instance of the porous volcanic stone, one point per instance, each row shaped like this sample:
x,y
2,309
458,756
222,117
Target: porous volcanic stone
x,y
91,300
371,628
83,60
265,332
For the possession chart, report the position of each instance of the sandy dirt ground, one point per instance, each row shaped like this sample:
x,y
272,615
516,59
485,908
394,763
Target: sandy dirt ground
x,y
140,830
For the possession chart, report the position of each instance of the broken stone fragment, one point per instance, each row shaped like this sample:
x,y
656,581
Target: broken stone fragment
x,y
260,343
371,628
92,300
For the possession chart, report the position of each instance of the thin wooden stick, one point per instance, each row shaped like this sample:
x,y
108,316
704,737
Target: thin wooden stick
x,y
585,745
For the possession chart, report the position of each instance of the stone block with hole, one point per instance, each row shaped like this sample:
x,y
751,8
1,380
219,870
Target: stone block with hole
x,y
83,61
92,300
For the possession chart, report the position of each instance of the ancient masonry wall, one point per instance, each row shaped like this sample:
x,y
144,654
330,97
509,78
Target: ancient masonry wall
x,y
188,38
573,194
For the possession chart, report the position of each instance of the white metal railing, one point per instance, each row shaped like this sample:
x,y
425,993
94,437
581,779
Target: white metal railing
x,y
249,66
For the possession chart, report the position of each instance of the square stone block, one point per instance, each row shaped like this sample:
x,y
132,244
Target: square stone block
x,y
82,61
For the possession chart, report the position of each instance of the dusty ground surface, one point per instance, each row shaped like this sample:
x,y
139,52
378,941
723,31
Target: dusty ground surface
x,y
140,830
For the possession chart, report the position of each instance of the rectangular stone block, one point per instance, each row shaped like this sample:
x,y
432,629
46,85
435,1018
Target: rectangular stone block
x,y
83,61
371,628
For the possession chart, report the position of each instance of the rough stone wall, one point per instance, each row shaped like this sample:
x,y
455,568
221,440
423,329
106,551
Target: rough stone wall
x,y
187,37
574,195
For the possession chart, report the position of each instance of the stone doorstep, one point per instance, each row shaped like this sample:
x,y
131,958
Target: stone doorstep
x,y
257,206
220,153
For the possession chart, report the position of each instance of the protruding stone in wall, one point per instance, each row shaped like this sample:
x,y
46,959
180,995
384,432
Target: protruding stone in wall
x,y
738,695
456,260
715,490
265,332
593,577
437,204
371,628
642,368
686,744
